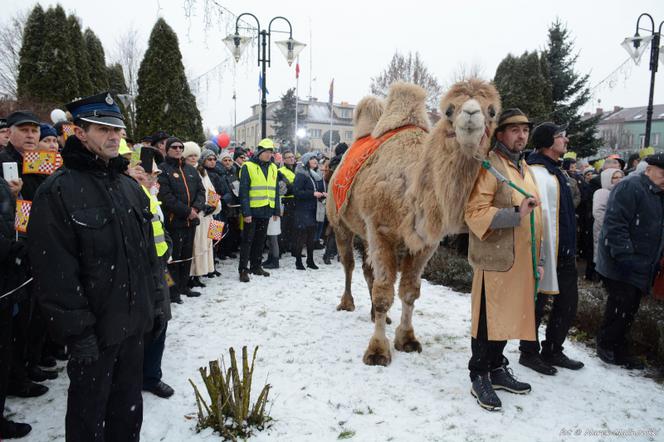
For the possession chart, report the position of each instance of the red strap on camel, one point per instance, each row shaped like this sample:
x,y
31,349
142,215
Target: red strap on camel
x,y
355,158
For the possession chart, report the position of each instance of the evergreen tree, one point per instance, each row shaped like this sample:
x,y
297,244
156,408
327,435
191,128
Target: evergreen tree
x,y
522,84
33,40
99,74
79,59
284,117
116,79
569,91
165,101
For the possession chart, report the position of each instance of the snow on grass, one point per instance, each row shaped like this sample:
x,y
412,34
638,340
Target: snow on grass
x,y
312,356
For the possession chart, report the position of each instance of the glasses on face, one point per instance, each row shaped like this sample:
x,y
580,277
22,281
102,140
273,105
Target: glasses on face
x,y
177,146
211,159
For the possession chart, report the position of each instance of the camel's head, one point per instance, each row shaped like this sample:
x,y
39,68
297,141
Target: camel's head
x,y
470,111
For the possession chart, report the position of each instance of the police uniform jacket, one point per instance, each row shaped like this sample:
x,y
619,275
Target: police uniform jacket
x,y
92,250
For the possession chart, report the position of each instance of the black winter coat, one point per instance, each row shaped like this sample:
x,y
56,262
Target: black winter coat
x,y
180,189
31,182
305,201
92,250
11,274
632,237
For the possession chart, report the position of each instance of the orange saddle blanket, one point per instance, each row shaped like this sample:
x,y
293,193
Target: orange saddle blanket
x,y
354,159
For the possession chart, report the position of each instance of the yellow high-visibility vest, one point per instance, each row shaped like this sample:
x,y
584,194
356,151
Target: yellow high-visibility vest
x,y
157,227
262,190
290,177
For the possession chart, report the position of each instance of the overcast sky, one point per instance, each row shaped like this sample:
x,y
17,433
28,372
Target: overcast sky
x,y
351,41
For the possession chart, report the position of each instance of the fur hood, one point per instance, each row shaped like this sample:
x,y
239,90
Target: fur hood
x,y
405,105
606,176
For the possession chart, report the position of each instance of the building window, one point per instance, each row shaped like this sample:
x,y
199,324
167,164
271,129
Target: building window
x,y
349,134
345,113
314,133
654,139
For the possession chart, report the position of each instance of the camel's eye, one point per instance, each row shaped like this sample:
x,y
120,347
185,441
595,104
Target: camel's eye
x,y
450,111
492,111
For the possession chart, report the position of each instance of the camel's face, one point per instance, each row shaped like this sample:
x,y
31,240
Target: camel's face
x,y
471,108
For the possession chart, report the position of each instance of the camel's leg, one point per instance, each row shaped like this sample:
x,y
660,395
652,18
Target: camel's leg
x,y
369,277
384,263
409,291
344,238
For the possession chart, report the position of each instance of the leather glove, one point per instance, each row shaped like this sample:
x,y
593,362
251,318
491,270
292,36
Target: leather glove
x,y
207,210
85,351
158,324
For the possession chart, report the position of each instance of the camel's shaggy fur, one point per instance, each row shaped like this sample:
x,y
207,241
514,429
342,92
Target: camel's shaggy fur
x,y
410,194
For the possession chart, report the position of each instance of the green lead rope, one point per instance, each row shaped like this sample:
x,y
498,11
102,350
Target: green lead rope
x,y
533,248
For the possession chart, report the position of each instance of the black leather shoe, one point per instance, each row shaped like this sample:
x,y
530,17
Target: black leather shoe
x,y
28,389
312,265
38,375
607,355
192,294
298,265
273,264
503,379
483,391
326,260
259,271
48,361
13,430
535,362
627,360
177,300
162,390
559,359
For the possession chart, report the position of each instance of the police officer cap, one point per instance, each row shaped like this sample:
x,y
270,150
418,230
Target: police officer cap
x,y
656,160
99,109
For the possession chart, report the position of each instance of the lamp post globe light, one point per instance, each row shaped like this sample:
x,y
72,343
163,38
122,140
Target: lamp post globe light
x,y
290,48
636,46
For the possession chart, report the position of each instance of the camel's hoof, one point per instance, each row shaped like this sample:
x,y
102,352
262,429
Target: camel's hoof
x,y
347,306
409,346
378,353
377,360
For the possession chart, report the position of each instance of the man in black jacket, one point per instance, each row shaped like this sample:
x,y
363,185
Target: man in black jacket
x,y
629,250
13,254
560,276
182,196
95,266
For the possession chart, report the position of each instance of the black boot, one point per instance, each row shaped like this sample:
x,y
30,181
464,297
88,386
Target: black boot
x,y
195,281
162,390
271,263
298,264
483,391
244,276
559,359
13,430
311,264
38,375
503,379
326,260
535,362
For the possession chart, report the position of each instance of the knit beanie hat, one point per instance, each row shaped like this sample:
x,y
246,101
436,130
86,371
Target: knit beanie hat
x,y
204,156
224,154
238,152
46,130
172,140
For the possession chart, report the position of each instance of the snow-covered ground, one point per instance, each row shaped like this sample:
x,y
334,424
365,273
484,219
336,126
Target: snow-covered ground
x,y
312,356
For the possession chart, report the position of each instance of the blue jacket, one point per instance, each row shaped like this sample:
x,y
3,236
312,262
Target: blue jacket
x,y
305,201
566,209
632,236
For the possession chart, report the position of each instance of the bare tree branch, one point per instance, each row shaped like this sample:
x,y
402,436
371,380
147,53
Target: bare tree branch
x,y
11,40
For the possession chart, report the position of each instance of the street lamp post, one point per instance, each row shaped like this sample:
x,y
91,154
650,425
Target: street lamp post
x,y
290,48
635,46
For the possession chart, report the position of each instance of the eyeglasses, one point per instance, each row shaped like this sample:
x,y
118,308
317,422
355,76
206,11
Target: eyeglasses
x,y
176,146
210,159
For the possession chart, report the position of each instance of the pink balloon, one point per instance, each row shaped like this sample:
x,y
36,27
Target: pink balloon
x,y
223,140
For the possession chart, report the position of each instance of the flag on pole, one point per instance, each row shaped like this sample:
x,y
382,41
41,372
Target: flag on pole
x,y
297,70
260,84
22,215
331,92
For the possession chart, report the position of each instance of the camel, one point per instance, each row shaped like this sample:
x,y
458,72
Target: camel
x,y
408,195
